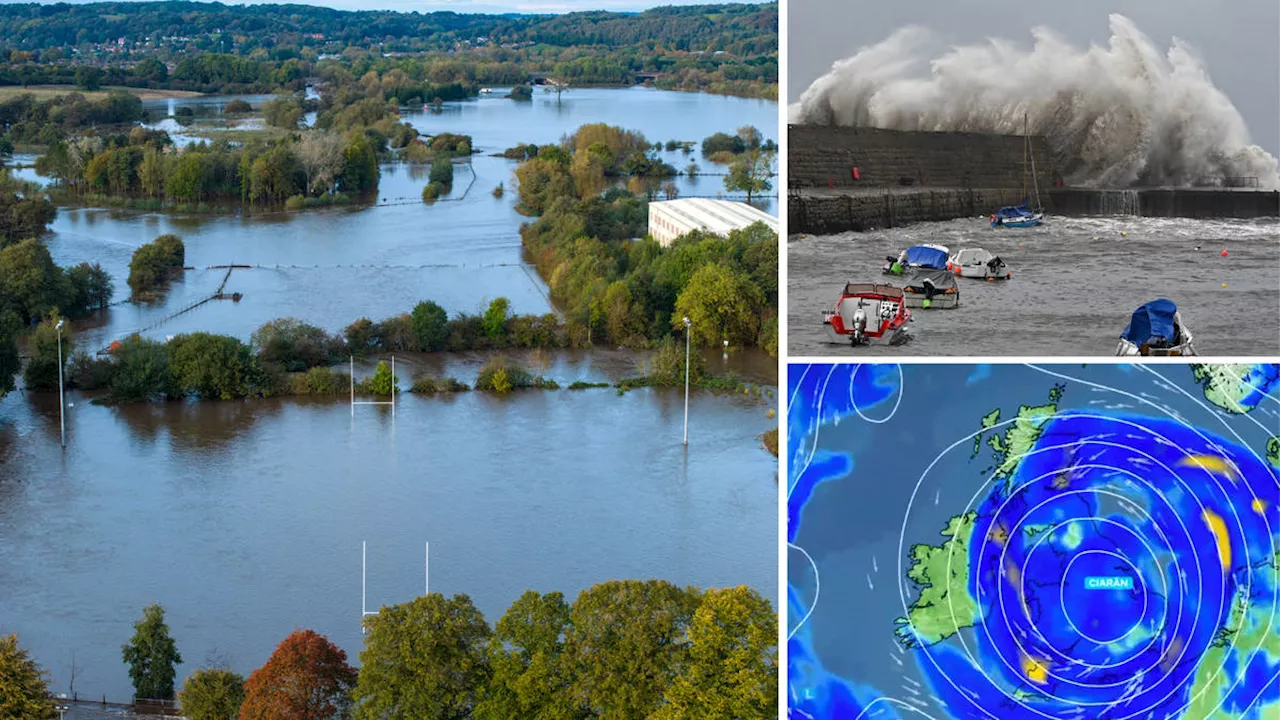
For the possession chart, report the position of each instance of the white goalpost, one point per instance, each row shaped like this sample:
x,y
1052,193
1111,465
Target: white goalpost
x,y
355,402
364,607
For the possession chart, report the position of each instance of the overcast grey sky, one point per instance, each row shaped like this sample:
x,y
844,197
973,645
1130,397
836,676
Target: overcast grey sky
x,y
1238,39
464,6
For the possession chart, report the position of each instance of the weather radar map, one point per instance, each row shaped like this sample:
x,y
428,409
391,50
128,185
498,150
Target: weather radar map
x,y
1018,541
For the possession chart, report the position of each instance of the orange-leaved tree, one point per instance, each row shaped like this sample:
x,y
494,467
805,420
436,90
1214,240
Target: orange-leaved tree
x,y
306,678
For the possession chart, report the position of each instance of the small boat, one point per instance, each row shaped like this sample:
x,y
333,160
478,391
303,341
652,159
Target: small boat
x,y
917,256
867,313
978,263
1156,329
1022,216
930,288
486,91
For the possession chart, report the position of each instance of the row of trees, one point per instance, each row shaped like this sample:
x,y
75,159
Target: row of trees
x,y
312,164
35,121
636,292
622,649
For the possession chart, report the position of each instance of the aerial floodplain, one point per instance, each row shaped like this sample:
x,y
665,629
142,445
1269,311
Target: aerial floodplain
x,y
1040,541
339,359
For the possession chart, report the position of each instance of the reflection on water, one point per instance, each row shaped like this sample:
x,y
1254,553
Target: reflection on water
x,y
244,519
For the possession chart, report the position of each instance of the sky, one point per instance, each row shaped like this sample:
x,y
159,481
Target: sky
x,y
1239,40
462,6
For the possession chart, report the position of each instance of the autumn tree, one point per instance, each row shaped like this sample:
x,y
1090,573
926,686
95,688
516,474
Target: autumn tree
x,y
212,694
24,692
306,678
424,659
529,680
722,304
751,173
282,112
152,656
731,672
625,644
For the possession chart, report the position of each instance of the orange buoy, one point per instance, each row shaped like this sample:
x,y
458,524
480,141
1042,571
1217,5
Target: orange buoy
x,y
991,279
1224,253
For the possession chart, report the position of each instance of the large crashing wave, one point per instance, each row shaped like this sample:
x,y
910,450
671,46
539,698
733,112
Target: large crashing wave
x,y
1118,116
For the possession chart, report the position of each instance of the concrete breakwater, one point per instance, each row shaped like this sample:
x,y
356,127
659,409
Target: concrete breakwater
x,y
822,211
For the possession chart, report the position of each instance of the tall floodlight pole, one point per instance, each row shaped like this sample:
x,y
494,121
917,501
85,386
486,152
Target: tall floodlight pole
x,y
427,569
687,326
62,421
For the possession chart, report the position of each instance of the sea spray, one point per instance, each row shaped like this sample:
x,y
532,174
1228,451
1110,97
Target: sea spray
x,y
1120,116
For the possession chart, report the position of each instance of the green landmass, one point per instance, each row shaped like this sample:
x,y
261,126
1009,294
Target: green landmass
x,y
1225,385
1018,440
945,605
1273,451
988,421
1243,634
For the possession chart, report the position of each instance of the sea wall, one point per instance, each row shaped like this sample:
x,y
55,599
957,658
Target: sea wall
x,y
823,211
824,157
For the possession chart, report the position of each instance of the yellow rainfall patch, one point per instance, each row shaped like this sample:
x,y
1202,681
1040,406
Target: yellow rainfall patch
x,y
1215,464
1259,506
1219,529
1037,671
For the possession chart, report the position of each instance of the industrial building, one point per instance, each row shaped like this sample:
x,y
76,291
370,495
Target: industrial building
x,y
669,219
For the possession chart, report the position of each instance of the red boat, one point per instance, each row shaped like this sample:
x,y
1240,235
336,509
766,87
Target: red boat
x,y
868,314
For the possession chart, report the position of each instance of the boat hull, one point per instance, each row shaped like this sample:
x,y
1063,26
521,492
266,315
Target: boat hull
x,y
1019,223
1128,349
894,336
941,301
982,272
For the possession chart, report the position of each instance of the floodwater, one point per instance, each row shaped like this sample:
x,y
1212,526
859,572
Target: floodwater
x,y
1076,281
244,519
332,266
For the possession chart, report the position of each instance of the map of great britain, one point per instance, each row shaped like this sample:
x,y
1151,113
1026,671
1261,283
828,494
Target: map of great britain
x,y
1117,554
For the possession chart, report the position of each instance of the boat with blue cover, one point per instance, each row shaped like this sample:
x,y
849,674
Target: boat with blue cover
x,y
1156,329
1022,216
928,257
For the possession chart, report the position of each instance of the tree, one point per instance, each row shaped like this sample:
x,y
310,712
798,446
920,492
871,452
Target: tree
x,y
751,173
282,112
32,284
212,694
430,326
306,678
10,361
88,78
92,287
732,669
382,382
525,654
293,344
24,692
424,659
152,656
722,305
42,368
624,645
320,155
142,372
495,318
214,367
359,166
152,263
22,217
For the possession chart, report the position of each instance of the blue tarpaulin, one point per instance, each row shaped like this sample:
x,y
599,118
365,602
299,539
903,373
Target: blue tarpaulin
x,y
927,257
1013,212
1151,323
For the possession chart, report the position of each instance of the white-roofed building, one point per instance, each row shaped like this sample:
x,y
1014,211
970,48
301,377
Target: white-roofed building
x,y
669,219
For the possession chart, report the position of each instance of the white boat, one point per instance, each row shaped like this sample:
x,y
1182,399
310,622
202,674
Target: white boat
x,y
978,263
486,91
1156,330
